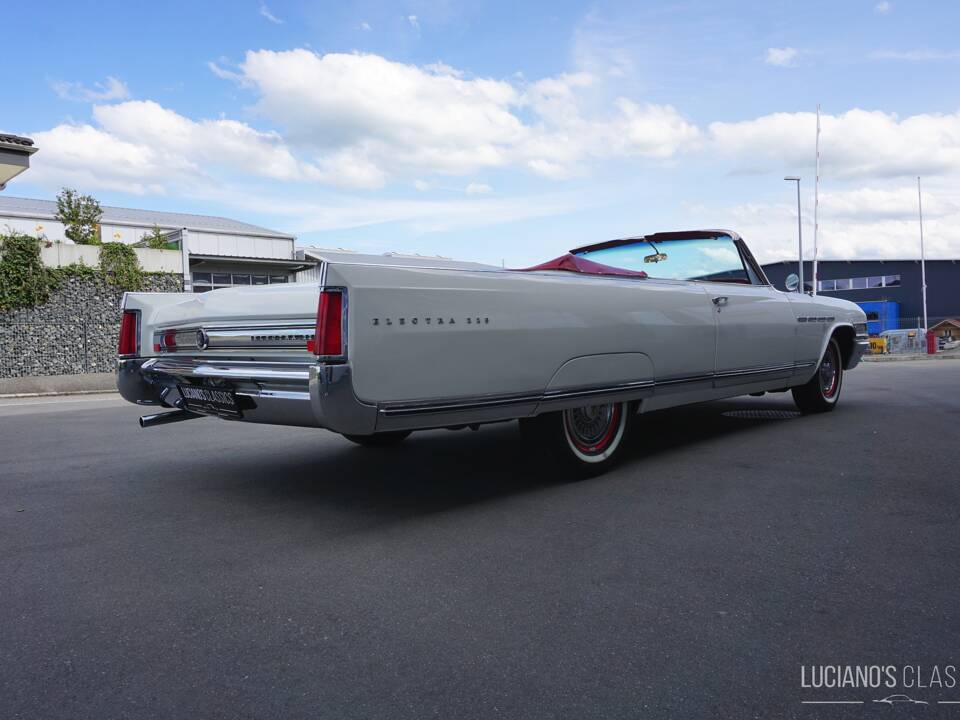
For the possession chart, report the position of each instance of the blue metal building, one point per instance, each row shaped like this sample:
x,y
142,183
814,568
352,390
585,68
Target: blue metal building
x,y
885,286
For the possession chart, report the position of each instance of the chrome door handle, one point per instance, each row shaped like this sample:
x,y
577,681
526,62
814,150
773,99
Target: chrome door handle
x,y
720,300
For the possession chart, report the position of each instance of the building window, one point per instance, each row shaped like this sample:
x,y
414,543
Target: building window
x,y
859,283
891,281
875,282
204,281
828,285
843,284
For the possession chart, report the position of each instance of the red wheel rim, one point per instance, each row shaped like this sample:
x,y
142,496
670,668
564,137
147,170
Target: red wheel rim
x,y
830,372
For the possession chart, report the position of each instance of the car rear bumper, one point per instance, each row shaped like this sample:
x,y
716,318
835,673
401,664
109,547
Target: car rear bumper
x,y
276,393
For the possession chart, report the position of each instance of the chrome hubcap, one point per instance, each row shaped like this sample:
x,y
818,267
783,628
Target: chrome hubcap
x,y
590,424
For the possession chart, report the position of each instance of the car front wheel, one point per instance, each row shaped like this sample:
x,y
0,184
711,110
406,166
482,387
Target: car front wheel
x,y
822,392
586,441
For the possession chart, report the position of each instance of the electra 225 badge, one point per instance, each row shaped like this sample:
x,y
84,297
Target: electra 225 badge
x,y
431,321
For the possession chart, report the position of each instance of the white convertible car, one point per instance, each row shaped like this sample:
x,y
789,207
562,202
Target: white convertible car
x,y
573,348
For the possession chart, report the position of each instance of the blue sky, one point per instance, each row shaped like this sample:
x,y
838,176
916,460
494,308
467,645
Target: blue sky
x,y
503,131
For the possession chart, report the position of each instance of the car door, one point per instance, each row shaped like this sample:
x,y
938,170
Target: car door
x,y
756,334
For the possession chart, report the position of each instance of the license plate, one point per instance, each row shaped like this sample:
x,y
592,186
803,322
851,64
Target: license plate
x,y
210,400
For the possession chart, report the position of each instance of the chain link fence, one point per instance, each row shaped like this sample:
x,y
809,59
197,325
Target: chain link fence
x,y
906,335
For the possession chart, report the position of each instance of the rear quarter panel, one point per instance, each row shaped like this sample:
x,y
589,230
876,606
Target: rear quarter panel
x,y
421,334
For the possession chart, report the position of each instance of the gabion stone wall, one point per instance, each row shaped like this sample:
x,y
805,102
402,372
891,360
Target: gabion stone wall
x,y
74,332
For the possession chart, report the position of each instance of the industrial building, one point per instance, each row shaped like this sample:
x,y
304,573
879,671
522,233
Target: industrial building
x,y
218,252
889,291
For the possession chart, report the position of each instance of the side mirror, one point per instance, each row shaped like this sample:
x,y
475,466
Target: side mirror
x,y
792,282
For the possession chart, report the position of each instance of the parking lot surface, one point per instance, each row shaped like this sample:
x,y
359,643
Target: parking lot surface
x,y
210,569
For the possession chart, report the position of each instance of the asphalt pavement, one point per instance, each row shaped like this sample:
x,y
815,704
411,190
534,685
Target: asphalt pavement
x,y
210,569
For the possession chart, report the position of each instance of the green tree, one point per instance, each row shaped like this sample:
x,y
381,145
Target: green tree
x,y
80,215
155,238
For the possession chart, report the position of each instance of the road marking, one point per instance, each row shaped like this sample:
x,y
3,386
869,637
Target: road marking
x,y
831,702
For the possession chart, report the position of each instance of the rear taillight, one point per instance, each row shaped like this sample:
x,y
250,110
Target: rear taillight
x,y
328,342
128,344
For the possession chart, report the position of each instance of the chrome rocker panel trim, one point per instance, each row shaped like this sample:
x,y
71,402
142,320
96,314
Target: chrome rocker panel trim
x,y
317,395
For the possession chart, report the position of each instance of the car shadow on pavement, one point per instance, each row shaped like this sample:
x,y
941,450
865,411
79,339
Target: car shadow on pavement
x,y
438,471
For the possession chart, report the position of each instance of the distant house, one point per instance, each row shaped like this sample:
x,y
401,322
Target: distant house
x,y
221,252
948,329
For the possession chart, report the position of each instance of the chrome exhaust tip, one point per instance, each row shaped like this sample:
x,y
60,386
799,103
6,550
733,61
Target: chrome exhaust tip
x,y
147,421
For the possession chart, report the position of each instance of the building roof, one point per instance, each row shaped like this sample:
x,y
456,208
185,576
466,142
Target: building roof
x,y
46,210
339,255
22,143
954,322
199,259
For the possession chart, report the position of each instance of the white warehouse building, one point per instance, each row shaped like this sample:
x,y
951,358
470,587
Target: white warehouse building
x,y
218,252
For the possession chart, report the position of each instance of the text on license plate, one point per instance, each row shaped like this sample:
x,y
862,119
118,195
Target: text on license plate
x,y
211,396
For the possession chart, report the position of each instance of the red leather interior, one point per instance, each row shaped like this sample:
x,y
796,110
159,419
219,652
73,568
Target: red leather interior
x,y
577,264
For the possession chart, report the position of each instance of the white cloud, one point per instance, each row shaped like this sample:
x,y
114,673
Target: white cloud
x,y
346,212
782,57
857,143
883,8
365,26
86,157
141,147
862,222
265,12
111,89
476,188
916,55
414,23
403,119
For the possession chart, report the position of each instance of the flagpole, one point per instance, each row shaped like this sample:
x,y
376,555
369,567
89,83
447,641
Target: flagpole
x,y
923,262
816,206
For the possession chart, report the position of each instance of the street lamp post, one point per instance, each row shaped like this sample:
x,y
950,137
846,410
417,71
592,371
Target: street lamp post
x,y
923,260
792,178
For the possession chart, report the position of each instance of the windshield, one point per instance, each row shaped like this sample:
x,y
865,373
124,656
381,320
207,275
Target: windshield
x,y
710,258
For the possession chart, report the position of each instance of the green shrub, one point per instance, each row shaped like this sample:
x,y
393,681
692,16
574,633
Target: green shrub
x,y
120,267
24,281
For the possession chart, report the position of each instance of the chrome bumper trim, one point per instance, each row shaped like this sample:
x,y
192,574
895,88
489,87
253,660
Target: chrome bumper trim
x,y
861,346
229,369
301,394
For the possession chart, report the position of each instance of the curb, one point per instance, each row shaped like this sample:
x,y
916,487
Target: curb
x,y
37,385
14,396
908,358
